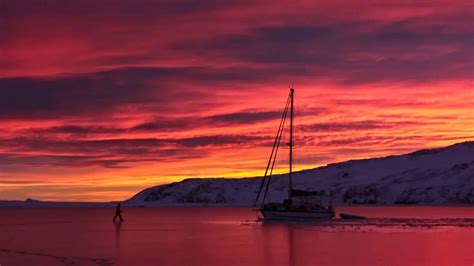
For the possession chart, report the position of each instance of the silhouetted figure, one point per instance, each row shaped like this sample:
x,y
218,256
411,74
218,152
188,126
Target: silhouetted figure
x,y
118,213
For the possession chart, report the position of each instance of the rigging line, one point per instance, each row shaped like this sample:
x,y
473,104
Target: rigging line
x,y
273,149
273,164
279,141
298,150
275,156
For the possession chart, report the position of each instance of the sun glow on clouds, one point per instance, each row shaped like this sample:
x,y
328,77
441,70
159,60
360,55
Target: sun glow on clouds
x,y
100,100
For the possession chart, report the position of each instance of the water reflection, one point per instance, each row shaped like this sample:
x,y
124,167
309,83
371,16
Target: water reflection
x,y
118,229
291,246
217,236
280,243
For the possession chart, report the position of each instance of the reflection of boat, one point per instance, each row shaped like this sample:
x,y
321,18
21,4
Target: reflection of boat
x,y
296,206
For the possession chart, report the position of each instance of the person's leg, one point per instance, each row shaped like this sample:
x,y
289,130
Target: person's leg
x,y
115,217
120,217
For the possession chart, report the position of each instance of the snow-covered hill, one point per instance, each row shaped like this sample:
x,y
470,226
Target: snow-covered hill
x,y
437,176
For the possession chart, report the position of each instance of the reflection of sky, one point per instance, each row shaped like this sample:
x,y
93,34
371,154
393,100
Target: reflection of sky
x,y
98,101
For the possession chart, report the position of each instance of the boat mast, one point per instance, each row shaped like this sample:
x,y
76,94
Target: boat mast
x,y
292,98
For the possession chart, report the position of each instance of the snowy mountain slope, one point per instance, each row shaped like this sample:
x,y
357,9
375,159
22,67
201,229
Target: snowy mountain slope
x,y
437,176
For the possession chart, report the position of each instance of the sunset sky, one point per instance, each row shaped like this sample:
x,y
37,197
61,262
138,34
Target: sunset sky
x,y
100,99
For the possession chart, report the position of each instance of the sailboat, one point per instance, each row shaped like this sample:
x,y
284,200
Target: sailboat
x,y
296,206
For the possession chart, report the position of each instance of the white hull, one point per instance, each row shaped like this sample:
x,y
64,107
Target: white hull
x,y
275,215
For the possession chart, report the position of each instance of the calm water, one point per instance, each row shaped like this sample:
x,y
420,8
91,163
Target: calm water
x,y
231,236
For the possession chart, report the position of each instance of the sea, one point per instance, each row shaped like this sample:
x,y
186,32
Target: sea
x,y
391,235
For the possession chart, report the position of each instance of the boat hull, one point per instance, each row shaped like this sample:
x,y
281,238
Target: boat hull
x,y
281,215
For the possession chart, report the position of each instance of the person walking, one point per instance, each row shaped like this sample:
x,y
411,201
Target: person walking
x,y
118,213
